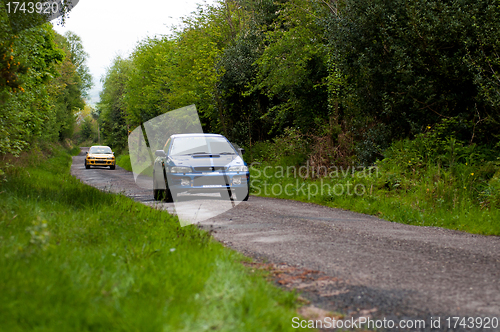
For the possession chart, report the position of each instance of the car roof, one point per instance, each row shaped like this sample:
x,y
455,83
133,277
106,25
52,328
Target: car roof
x,y
196,134
100,146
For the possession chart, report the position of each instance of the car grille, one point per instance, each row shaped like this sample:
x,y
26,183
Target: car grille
x,y
209,168
209,181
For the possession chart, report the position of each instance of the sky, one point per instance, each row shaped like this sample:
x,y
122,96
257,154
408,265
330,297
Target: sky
x,y
109,28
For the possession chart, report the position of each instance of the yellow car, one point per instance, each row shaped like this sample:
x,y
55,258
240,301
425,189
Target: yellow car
x,y
100,156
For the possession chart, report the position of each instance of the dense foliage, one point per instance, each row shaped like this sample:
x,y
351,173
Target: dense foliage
x,y
359,71
42,84
411,65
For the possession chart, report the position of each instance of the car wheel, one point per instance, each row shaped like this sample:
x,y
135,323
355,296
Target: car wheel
x,y
241,194
86,165
112,167
163,195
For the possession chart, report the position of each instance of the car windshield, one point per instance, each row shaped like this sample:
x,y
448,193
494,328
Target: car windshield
x,y
100,150
201,145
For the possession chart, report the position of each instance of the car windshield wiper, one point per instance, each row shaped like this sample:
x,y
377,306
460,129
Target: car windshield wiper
x,y
190,154
227,153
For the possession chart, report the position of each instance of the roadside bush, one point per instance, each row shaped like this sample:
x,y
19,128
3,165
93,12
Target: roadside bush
x,y
294,148
442,168
325,152
489,197
291,148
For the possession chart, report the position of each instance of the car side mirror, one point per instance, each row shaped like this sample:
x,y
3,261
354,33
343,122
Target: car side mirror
x,y
87,152
160,153
241,151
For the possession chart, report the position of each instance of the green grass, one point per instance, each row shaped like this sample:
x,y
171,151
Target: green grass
x,y
123,161
73,258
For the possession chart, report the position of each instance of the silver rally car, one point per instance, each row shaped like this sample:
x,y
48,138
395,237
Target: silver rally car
x,y
200,163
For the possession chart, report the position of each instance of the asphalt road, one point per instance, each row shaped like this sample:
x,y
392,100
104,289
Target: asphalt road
x,y
350,263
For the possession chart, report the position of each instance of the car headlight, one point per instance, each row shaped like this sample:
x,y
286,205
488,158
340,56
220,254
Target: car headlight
x,y
180,169
238,169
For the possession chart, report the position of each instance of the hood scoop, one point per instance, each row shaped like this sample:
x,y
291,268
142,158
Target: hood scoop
x,y
206,156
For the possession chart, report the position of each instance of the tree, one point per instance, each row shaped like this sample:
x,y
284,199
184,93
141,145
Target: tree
x,y
293,68
78,58
242,107
86,131
149,80
39,86
112,108
26,108
483,56
68,87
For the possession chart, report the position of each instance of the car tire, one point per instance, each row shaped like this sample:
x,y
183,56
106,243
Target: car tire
x,y
241,194
86,165
112,167
163,195
158,194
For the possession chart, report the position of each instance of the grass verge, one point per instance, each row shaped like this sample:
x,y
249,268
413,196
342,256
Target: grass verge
x,y
73,258
123,161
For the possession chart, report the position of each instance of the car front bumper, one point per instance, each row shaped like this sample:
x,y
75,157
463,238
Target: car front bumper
x,y
197,182
100,162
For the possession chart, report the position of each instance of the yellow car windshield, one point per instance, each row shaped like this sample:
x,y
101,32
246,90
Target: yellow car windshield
x,y
100,150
